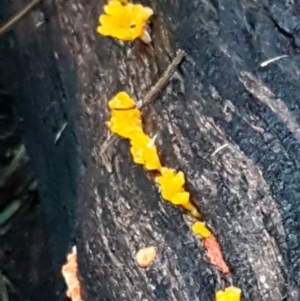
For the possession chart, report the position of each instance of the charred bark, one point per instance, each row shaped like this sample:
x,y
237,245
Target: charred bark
x,y
65,73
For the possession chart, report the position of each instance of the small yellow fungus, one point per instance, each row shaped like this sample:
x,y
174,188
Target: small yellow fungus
x,y
171,184
181,198
126,119
201,229
229,294
144,152
124,21
121,101
126,124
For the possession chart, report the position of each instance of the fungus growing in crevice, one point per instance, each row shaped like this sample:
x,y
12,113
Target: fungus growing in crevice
x,y
125,119
144,152
171,184
201,229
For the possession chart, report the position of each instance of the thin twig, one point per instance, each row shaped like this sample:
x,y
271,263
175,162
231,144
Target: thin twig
x,y
163,79
149,97
18,16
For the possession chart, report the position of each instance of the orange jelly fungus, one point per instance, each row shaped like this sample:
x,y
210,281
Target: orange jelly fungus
x,y
144,151
124,20
126,119
201,229
214,254
172,190
171,184
121,101
69,271
229,294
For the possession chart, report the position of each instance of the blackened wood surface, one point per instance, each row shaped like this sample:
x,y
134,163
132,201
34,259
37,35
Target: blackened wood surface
x,y
248,191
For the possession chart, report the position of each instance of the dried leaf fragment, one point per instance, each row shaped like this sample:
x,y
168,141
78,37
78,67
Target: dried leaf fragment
x,y
215,255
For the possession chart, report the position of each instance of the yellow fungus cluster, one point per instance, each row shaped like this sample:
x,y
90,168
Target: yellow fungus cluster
x,y
144,151
125,21
126,121
231,293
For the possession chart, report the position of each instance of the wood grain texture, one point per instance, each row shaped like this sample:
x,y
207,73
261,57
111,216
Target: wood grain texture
x,y
248,191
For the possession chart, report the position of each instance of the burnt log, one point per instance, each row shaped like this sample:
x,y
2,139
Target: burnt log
x,y
228,122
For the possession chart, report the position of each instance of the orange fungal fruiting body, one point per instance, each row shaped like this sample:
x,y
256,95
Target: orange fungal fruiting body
x,y
124,20
70,274
172,190
201,229
126,122
126,119
171,184
144,152
229,294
